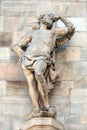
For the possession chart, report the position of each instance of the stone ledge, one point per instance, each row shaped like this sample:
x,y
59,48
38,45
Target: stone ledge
x,y
42,124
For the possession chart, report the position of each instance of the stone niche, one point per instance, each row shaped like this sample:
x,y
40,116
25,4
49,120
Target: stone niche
x,y
42,124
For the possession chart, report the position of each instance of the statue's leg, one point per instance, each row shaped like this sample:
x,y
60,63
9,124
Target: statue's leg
x,y
40,68
33,92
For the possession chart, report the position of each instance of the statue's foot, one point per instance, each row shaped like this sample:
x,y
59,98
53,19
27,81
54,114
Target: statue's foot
x,y
36,112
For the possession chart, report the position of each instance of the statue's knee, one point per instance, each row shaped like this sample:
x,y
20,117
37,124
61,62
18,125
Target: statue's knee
x,y
38,76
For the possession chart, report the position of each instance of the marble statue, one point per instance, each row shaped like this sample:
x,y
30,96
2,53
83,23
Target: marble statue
x,y
36,52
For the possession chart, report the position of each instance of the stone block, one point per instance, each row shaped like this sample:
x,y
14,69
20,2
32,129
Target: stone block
x,y
79,68
5,122
4,53
55,100
78,95
80,81
42,124
11,71
2,87
84,110
1,23
11,8
83,119
17,88
65,70
43,6
12,24
65,8
5,39
62,109
76,108
75,127
83,53
79,39
70,54
16,110
72,119
80,92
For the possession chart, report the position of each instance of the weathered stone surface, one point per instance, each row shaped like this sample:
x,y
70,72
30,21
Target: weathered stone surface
x,y
16,124
17,88
68,8
80,81
70,54
5,39
78,96
4,53
5,122
78,68
76,108
72,119
16,109
78,38
2,87
65,70
10,71
14,24
84,119
18,7
58,100
76,127
42,123
62,109
1,23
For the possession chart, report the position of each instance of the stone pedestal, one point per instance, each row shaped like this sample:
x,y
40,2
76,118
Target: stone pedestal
x,y
42,124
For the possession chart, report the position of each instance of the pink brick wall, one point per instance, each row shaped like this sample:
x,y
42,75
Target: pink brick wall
x,y
70,93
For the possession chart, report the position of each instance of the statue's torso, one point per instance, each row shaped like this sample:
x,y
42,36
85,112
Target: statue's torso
x,y
42,44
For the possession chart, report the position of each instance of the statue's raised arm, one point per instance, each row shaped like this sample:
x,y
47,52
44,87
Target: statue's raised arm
x,y
66,33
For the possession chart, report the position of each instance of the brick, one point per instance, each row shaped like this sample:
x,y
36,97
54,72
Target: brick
x,y
11,71
2,87
72,119
66,8
79,23
78,38
1,23
5,39
70,54
16,110
4,53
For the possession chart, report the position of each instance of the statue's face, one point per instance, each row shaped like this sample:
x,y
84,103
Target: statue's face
x,y
47,19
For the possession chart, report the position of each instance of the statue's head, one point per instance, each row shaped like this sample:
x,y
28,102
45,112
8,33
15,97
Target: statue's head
x,y
47,19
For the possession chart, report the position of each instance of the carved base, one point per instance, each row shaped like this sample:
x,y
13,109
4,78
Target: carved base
x,y
45,123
